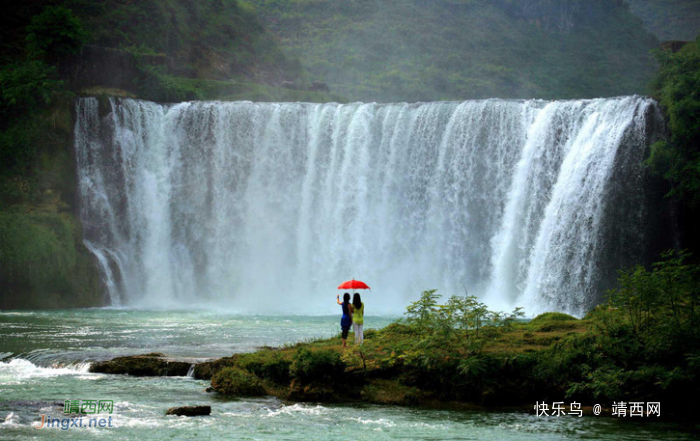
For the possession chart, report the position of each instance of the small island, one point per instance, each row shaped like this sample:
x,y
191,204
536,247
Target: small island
x,y
641,345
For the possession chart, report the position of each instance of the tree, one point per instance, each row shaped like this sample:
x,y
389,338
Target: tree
x,y
677,87
421,312
54,34
26,87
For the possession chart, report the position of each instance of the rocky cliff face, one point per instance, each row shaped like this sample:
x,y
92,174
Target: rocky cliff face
x,y
669,19
557,15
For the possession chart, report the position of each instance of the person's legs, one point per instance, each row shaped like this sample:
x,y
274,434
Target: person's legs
x,y
359,336
356,331
346,329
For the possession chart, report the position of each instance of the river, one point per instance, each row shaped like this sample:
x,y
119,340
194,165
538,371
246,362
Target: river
x,y
45,357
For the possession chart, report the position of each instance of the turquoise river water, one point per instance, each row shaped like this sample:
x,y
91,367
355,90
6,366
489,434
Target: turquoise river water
x,y
45,356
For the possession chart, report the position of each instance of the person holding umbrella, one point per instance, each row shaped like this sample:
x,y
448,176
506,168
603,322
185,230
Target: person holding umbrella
x,y
351,313
346,320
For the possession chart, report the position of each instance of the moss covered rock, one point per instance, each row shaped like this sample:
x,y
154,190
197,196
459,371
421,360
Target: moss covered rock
x,y
147,365
207,369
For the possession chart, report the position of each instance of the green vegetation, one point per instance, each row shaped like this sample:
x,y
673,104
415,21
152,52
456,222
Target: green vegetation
x,y
167,88
415,50
55,34
237,382
212,40
321,366
43,264
668,19
677,87
641,345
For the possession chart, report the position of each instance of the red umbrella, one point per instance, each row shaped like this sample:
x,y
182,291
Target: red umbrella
x,y
353,284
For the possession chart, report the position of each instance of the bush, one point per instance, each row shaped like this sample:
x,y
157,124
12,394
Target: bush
x,y
27,87
236,382
323,366
661,304
266,364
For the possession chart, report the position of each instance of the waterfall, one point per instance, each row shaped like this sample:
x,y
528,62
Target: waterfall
x,y
267,207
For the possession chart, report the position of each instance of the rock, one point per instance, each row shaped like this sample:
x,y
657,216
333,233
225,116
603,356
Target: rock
x,y
146,365
207,369
673,46
313,392
319,86
391,392
189,411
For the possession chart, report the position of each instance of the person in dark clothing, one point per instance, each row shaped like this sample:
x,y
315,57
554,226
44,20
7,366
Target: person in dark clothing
x,y
346,320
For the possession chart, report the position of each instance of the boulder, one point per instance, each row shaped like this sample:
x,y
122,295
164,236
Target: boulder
x,y
189,411
206,370
146,365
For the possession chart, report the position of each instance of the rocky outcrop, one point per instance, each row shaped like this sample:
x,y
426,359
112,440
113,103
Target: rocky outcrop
x,y
189,411
146,365
207,369
108,67
673,46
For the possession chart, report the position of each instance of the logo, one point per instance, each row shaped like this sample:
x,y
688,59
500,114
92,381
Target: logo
x,y
74,410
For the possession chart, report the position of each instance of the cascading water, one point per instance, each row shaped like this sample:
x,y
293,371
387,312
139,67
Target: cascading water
x,y
269,206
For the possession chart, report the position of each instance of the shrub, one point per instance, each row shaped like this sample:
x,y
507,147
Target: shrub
x,y
323,366
236,382
420,314
268,365
27,87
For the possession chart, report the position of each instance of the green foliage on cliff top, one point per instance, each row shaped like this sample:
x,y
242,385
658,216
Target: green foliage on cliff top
x,y
395,50
54,34
213,39
677,87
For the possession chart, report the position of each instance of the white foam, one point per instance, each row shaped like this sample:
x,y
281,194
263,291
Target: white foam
x,y
19,369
